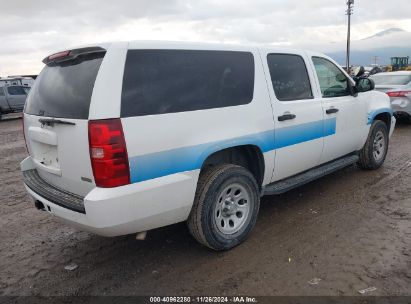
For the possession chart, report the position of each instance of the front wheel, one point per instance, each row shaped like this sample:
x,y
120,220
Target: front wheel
x,y
374,152
225,207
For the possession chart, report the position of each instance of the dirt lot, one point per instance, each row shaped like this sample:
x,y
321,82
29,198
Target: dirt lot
x,y
351,229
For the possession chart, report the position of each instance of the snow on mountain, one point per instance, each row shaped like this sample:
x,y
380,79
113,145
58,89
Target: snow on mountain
x,y
385,32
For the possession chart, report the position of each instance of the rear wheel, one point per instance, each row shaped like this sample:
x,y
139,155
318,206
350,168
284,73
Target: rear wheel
x,y
225,207
374,152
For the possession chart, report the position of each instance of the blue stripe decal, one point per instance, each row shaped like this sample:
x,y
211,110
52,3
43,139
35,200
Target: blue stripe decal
x,y
149,166
372,114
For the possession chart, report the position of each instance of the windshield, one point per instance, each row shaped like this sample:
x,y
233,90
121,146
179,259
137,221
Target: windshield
x,y
391,79
64,90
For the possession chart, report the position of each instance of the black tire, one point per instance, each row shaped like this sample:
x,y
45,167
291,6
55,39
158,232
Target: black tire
x,y
203,218
368,159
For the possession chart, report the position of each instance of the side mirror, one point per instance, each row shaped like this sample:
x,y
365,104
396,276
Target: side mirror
x,y
358,71
364,85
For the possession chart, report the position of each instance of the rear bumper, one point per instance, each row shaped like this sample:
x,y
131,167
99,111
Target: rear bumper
x,y
53,194
401,106
127,209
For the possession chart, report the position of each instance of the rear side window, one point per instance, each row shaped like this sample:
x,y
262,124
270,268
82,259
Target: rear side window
x,y
289,77
1,91
64,90
16,90
170,81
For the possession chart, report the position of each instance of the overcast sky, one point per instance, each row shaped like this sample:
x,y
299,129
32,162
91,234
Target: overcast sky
x,y
32,29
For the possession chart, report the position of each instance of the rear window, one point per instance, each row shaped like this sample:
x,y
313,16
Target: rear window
x,y
391,79
170,81
64,90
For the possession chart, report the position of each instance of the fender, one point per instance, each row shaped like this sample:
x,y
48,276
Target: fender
x,y
374,113
378,103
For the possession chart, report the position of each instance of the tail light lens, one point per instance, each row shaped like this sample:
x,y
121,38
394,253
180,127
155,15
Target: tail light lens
x,y
399,93
108,153
59,55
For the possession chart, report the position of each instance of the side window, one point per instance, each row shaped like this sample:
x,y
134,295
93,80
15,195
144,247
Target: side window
x,y
289,77
27,90
171,81
1,91
16,90
333,82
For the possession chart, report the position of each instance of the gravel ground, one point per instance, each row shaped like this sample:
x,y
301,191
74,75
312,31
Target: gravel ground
x,y
351,229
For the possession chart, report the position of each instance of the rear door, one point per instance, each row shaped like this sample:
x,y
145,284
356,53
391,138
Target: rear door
x,y
16,96
298,114
56,119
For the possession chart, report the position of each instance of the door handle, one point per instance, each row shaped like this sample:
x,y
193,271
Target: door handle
x,y
286,117
331,111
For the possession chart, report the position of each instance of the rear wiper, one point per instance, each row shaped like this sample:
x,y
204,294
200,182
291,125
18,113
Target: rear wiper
x,y
51,122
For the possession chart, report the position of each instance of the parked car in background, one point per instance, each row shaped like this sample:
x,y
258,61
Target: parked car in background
x,y
12,98
397,85
128,137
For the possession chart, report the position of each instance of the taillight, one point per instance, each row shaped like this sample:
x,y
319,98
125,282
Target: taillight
x,y
399,93
108,153
71,54
59,55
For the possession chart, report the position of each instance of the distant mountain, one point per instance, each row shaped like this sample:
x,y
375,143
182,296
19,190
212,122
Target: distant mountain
x,y
386,44
366,58
385,32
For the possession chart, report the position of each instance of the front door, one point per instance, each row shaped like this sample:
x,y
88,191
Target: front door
x,y
298,114
347,112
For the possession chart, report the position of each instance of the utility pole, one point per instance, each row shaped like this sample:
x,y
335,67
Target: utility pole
x,y
350,4
375,60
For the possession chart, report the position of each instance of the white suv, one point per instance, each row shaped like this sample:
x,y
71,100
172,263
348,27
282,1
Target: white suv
x,y
128,137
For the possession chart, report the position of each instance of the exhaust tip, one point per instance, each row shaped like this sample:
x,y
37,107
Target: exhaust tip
x,y
39,205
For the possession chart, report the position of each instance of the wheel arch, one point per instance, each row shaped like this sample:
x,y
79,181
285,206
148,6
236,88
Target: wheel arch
x,y
248,156
383,115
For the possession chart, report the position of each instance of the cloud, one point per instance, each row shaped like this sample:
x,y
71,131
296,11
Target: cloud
x,y
33,29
